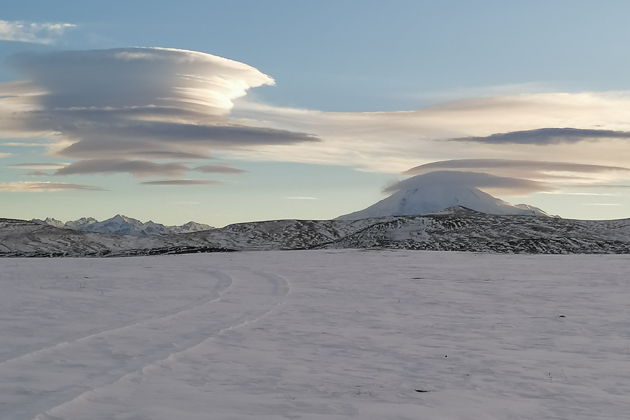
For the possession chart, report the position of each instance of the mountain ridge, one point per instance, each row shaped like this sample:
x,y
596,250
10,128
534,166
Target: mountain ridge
x,y
455,229
123,225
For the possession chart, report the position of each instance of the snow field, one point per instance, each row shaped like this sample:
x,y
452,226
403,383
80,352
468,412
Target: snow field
x,y
316,335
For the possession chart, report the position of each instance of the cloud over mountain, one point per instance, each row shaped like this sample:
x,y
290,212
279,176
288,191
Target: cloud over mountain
x,y
440,190
499,184
545,171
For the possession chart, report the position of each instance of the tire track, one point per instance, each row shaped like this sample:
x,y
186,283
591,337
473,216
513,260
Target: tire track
x,y
53,377
225,282
280,288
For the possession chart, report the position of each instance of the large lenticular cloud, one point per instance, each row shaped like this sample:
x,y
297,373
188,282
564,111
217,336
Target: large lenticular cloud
x,y
496,184
149,79
134,103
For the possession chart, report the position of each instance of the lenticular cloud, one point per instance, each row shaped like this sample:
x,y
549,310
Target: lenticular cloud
x,y
149,81
134,103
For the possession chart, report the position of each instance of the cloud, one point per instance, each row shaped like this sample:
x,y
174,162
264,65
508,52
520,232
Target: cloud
x,y
300,197
22,144
598,186
195,139
38,173
484,181
219,169
139,82
152,104
182,182
391,141
25,186
163,154
557,174
545,171
36,166
544,136
138,168
134,103
33,32
4,155
583,194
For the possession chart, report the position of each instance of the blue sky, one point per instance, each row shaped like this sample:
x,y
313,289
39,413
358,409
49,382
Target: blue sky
x,y
468,70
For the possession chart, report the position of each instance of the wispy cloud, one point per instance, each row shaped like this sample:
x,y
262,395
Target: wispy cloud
x,y
36,166
33,32
585,194
181,182
138,168
4,155
599,186
219,169
26,186
300,197
389,141
38,173
22,144
543,136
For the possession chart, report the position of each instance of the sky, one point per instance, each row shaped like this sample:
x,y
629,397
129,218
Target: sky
x,y
231,111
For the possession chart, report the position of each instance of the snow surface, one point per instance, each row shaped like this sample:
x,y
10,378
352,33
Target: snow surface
x,y
324,334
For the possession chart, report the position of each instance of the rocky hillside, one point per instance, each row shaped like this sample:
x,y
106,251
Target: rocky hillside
x,y
457,229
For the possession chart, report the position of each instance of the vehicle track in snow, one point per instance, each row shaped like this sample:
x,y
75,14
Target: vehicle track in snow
x,y
281,288
224,283
65,372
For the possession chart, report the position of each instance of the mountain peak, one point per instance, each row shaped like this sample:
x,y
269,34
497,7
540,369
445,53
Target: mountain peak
x,y
123,225
435,192
122,218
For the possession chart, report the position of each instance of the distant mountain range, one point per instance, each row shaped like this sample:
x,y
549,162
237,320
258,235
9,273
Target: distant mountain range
x,y
123,225
455,229
418,195
426,212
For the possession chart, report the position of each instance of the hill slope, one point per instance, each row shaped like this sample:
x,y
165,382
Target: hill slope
x,y
458,229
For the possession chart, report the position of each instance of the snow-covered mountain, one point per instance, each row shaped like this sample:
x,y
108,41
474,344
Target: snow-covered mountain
x,y
436,191
123,225
455,229
190,227
20,238
80,223
50,221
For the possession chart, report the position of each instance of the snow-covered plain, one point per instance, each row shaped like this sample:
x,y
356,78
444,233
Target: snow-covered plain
x,y
331,334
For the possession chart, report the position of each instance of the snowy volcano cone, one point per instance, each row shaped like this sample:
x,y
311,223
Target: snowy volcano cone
x,y
436,191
